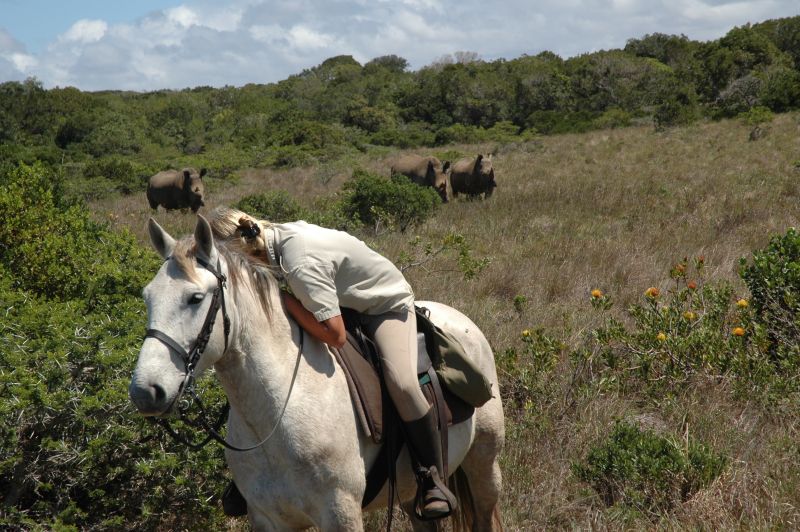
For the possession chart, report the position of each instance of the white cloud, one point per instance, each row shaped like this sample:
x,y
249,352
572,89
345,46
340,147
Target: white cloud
x,y
203,42
182,16
85,31
304,38
23,62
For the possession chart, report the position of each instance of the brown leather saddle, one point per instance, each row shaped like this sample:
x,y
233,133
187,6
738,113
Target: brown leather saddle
x,y
360,363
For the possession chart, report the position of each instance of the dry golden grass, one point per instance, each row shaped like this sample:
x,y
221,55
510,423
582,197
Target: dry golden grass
x,y
612,210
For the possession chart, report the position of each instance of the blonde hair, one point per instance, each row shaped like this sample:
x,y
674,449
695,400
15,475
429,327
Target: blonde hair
x,y
227,224
250,253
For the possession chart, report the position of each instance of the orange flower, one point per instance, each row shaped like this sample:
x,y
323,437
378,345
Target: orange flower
x,y
652,292
738,331
742,303
596,293
691,285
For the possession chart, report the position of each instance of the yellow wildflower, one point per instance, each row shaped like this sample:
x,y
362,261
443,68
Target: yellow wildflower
x,y
661,337
738,331
597,293
742,303
526,333
652,292
689,315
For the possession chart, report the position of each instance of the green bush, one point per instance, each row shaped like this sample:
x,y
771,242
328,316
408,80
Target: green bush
x,y
693,329
647,472
773,278
127,176
276,206
73,453
756,115
387,203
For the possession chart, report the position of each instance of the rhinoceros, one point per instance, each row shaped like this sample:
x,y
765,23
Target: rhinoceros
x,y
177,189
425,171
473,177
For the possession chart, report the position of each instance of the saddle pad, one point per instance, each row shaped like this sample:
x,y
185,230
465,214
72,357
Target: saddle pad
x,y
366,391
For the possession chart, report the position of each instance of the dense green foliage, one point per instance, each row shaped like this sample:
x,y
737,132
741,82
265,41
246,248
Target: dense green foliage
x,y
340,106
276,206
773,278
394,203
73,453
647,472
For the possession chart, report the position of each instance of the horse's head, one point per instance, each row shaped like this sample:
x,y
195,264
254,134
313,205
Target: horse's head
x,y
178,301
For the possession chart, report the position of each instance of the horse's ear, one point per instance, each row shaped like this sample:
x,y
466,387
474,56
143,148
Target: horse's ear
x,y
203,237
162,242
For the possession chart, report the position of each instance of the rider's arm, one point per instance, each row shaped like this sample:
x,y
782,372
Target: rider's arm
x,y
331,331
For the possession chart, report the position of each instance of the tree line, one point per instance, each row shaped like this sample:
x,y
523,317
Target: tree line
x,y
341,105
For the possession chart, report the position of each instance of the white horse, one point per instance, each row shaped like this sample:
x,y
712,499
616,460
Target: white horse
x,y
312,472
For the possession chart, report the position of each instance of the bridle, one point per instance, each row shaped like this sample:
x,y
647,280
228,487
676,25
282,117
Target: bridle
x,y
190,360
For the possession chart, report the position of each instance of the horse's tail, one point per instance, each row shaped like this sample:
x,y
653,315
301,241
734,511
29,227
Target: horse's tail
x,y
464,516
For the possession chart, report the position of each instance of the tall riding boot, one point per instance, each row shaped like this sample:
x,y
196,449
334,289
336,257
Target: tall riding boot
x,y
434,500
233,504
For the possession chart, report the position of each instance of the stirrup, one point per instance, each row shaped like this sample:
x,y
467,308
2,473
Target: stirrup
x,y
430,486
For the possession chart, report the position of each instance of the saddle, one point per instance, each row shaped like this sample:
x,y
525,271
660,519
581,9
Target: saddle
x,y
378,418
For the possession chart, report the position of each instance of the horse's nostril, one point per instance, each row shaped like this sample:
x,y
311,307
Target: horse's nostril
x,y
160,393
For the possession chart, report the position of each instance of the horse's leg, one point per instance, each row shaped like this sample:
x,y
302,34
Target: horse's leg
x,y
482,469
342,514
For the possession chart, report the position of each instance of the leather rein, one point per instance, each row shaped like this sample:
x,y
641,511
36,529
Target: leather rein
x,y
190,360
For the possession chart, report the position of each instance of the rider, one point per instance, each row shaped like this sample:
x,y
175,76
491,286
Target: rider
x,y
326,269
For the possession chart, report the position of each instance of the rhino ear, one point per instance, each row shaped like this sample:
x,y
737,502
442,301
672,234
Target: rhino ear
x,y
162,242
445,166
186,173
203,237
203,171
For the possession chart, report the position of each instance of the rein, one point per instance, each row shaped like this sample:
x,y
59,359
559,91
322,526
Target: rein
x,y
190,360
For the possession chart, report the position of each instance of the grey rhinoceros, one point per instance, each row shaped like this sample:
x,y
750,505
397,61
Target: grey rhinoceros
x,y
473,177
425,171
177,189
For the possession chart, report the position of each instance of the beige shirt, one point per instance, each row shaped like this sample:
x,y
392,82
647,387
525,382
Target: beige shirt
x,y
327,269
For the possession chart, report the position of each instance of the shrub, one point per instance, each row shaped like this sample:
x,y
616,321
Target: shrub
x,y
645,471
73,456
674,335
387,203
781,89
756,115
126,175
50,249
612,119
275,206
773,278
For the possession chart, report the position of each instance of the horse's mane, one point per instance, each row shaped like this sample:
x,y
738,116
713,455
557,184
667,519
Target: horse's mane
x,y
242,264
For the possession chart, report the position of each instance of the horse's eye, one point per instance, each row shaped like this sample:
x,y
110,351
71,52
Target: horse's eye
x,y
196,298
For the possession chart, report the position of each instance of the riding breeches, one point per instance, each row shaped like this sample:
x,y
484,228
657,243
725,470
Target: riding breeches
x,y
395,334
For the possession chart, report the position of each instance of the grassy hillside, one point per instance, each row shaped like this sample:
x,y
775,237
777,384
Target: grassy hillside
x,y
613,210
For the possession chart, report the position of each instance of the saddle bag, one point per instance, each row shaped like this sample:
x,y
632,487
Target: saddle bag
x,y
457,372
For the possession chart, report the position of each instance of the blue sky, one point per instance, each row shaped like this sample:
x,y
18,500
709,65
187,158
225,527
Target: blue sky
x,y
154,44
36,22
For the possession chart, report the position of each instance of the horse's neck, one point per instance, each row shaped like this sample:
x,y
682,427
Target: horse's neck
x,y
257,370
